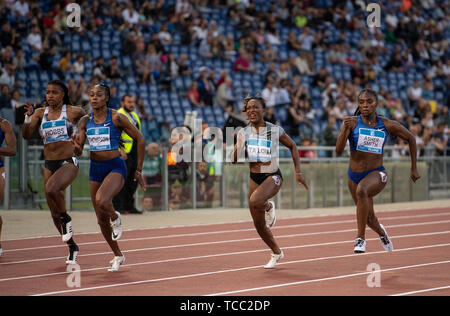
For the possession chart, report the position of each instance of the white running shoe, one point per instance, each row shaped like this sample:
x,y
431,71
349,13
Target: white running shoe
x,y
270,215
274,258
116,263
72,257
116,227
386,241
67,231
360,245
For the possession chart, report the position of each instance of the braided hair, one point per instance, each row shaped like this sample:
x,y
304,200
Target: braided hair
x,y
371,93
258,98
59,83
105,89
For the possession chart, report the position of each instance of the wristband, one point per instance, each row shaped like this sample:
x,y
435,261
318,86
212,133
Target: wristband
x,y
27,119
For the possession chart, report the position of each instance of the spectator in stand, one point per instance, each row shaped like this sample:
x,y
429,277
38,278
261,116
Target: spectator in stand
x,y
269,94
330,133
8,76
34,39
78,65
205,88
225,96
306,40
164,35
194,95
130,15
183,67
243,62
153,63
64,63
112,71
337,55
320,78
9,36
414,94
21,9
99,69
292,42
45,57
304,63
357,71
204,49
5,97
228,47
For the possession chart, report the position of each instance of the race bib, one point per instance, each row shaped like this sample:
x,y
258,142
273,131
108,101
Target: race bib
x,y
54,131
370,141
99,139
259,150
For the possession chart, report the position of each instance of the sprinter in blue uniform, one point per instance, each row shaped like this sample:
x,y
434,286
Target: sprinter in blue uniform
x,y
6,134
367,134
103,128
57,122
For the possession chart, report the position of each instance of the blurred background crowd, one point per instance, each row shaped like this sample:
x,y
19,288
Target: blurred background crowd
x,y
308,59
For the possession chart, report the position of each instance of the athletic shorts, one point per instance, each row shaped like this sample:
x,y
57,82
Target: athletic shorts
x,y
54,165
260,177
100,169
358,176
2,163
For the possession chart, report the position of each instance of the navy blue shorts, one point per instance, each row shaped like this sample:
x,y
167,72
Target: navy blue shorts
x,y
358,176
100,169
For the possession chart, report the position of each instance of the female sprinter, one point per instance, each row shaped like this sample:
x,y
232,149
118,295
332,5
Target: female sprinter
x,y
367,134
103,128
6,134
259,140
57,123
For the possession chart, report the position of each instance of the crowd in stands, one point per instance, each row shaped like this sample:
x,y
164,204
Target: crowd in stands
x,y
308,59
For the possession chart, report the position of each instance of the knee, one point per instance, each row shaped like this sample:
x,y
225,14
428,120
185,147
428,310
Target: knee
x,y
361,192
255,204
51,191
101,202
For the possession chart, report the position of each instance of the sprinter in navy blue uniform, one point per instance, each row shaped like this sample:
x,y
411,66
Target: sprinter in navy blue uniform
x,y
103,128
57,122
6,134
367,134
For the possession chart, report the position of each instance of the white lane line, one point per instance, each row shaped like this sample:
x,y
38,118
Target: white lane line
x,y
422,291
231,231
207,243
380,216
218,255
234,270
327,279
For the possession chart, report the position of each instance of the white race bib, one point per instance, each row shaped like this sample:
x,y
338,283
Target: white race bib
x,y
370,141
54,131
259,150
99,138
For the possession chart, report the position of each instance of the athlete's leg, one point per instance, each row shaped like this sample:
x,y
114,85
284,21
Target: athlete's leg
x,y
2,187
258,203
101,196
369,187
55,184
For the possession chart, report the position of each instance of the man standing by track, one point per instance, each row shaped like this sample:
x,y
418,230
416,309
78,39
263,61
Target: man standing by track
x,y
124,201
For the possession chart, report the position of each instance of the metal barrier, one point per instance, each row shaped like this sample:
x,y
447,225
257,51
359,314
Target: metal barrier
x,y
226,185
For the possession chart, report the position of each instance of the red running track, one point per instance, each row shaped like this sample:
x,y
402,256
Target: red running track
x,y
227,259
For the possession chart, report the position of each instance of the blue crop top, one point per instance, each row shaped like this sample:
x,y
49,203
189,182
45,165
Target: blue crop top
x,y
104,136
368,139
